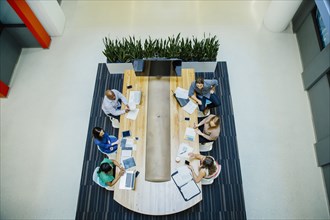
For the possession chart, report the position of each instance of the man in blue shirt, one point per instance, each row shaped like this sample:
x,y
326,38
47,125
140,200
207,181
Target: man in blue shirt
x,y
204,90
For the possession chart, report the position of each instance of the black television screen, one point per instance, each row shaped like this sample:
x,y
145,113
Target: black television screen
x,y
157,67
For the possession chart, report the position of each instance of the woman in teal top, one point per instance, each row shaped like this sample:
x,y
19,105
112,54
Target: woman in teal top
x,y
107,171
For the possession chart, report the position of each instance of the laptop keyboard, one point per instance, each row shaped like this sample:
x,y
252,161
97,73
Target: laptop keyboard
x,y
129,179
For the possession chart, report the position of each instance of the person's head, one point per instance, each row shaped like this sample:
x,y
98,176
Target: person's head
x,y
98,133
214,122
105,167
208,163
199,82
110,94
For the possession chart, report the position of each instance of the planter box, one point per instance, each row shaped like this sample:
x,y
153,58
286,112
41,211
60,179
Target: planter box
x,y
197,66
200,66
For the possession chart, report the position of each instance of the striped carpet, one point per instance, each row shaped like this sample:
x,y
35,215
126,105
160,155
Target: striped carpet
x,y
222,200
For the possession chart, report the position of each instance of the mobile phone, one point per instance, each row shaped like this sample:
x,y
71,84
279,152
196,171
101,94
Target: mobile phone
x,y
187,118
126,133
186,162
129,87
137,173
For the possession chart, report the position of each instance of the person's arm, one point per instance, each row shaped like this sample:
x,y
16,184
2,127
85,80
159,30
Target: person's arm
x,y
122,97
118,165
214,83
199,177
196,156
192,95
121,172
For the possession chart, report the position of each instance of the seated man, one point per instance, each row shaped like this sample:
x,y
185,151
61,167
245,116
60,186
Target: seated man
x,y
112,103
204,90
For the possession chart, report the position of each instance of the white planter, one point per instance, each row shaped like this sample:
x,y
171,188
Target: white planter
x,y
200,66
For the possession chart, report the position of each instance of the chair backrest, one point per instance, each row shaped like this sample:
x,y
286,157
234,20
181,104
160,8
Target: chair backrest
x,y
111,156
208,181
97,180
206,147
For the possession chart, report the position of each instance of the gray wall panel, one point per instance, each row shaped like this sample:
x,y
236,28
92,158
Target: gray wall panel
x,y
319,66
24,37
326,176
10,51
308,42
319,96
322,150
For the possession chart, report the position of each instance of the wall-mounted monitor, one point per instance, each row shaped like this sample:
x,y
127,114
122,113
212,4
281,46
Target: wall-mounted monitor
x,y
157,67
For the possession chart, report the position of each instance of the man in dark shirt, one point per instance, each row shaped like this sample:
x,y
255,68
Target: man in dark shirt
x,y
204,90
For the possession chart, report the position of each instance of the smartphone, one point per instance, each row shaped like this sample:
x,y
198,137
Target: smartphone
x,y
187,118
186,162
129,87
137,173
126,133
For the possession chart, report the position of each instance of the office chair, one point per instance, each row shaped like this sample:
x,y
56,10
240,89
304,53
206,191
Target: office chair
x,y
210,180
114,122
205,147
99,182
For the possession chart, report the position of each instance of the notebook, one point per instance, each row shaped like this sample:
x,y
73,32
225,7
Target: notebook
x,y
135,96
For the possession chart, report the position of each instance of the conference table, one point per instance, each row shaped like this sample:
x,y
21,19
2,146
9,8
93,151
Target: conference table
x,y
156,198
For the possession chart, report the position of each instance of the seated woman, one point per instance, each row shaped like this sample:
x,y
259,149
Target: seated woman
x,y
108,144
208,168
107,171
208,129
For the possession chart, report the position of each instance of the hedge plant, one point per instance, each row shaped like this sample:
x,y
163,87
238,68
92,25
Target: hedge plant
x,y
194,49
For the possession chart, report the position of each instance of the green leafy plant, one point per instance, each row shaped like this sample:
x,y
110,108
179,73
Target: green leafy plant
x,y
128,49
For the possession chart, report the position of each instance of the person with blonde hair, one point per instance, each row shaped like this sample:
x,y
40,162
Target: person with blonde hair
x,y
208,129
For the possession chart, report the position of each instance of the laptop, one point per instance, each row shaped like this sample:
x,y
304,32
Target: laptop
x,y
130,179
182,102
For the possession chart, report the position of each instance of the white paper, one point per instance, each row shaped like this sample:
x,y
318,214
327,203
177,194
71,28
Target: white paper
x,y
181,93
190,134
135,96
190,107
132,114
126,153
184,150
185,173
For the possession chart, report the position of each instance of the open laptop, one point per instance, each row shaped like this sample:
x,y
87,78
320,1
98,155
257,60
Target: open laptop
x,y
182,102
130,179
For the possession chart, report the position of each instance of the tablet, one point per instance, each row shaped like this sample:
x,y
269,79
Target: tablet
x,y
126,133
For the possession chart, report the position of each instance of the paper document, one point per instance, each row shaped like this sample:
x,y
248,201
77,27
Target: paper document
x,y
190,134
181,93
184,150
132,114
190,107
126,153
135,97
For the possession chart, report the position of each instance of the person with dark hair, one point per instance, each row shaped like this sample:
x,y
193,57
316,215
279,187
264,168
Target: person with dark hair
x,y
208,129
208,168
107,172
111,104
202,91
107,143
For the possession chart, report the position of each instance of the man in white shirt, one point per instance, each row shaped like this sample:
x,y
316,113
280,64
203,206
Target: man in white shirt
x,y
112,103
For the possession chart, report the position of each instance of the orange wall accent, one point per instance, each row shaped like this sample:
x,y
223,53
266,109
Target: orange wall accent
x,y
24,11
3,89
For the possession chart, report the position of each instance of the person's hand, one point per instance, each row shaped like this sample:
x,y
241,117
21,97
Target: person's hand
x,y
191,168
195,126
127,109
122,169
198,131
121,172
191,155
199,102
211,91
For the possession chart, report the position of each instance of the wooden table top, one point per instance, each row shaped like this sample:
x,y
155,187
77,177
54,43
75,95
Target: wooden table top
x,y
156,198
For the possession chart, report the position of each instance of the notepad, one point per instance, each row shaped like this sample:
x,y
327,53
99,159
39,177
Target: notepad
x,y
132,114
184,150
189,134
185,183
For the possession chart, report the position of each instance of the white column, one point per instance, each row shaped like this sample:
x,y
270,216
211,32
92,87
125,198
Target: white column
x,y
280,14
50,15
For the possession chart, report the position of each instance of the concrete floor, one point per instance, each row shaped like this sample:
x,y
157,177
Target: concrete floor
x,y
45,117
